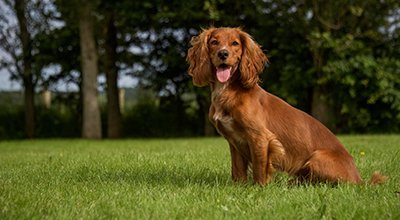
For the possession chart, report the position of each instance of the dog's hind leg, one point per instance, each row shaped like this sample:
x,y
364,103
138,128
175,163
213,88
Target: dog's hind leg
x,y
330,166
265,152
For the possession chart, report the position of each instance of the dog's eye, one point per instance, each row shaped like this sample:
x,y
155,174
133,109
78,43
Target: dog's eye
x,y
235,43
214,42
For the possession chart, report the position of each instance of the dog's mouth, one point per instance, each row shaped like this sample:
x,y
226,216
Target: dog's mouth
x,y
224,72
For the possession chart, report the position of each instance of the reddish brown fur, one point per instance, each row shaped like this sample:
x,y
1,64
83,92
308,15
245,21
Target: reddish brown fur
x,y
262,130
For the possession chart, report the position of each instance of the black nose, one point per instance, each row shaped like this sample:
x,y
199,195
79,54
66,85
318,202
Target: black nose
x,y
223,54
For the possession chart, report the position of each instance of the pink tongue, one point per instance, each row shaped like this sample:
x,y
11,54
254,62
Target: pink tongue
x,y
223,74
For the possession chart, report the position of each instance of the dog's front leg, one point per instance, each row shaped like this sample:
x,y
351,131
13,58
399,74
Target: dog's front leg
x,y
239,165
259,159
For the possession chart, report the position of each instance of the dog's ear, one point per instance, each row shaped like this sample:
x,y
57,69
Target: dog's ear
x,y
198,57
252,62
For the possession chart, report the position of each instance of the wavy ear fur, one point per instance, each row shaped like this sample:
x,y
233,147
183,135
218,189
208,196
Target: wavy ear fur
x,y
252,62
200,67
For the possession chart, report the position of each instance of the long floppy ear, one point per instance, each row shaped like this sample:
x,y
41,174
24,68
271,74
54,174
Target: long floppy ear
x,y
252,62
199,58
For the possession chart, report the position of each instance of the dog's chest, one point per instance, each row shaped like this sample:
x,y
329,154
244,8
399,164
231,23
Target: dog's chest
x,y
224,123
221,115
227,126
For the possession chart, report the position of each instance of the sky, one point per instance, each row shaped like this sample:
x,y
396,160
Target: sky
x,y
6,84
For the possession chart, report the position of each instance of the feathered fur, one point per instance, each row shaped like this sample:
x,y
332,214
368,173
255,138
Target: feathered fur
x,y
263,131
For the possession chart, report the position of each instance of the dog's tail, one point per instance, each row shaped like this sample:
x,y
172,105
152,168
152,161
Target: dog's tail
x,y
377,178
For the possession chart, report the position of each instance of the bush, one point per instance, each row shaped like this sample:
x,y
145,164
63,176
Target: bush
x,y
11,122
148,119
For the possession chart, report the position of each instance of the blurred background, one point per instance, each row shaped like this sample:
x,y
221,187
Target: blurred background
x,y
117,69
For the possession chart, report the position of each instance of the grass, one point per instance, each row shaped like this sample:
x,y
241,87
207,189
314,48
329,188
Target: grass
x,y
180,179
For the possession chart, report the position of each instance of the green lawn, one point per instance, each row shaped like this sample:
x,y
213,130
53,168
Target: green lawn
x,y
180,179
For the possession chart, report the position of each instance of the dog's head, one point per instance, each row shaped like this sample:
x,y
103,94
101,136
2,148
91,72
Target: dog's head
x,y
221,53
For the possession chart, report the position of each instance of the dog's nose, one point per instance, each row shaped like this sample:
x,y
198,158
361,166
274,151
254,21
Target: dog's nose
x,y
223,54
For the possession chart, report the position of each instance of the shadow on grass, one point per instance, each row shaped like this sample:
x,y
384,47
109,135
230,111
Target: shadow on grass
x,y
155,176
176,176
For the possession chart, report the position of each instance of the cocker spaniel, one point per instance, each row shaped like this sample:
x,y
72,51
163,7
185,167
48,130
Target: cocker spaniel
x,y
263,131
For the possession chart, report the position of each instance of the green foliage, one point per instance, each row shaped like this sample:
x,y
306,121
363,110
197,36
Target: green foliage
x,y
54,122
11,122
150,119
360,83
349,48
145,118
179,179
348,52
57,121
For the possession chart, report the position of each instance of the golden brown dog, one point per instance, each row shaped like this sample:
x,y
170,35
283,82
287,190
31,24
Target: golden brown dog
x,y
262,130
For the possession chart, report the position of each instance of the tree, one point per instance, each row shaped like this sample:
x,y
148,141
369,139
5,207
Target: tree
x,y
25,38
330,62
346,46
91,125
342,66
20,22
114,119
162,32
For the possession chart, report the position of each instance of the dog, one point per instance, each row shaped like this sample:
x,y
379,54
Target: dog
x,y
264,132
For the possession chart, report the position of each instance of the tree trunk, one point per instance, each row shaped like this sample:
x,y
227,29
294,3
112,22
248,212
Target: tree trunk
x,y
114,120
20,6
321,109
91,125
320,106
29,104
